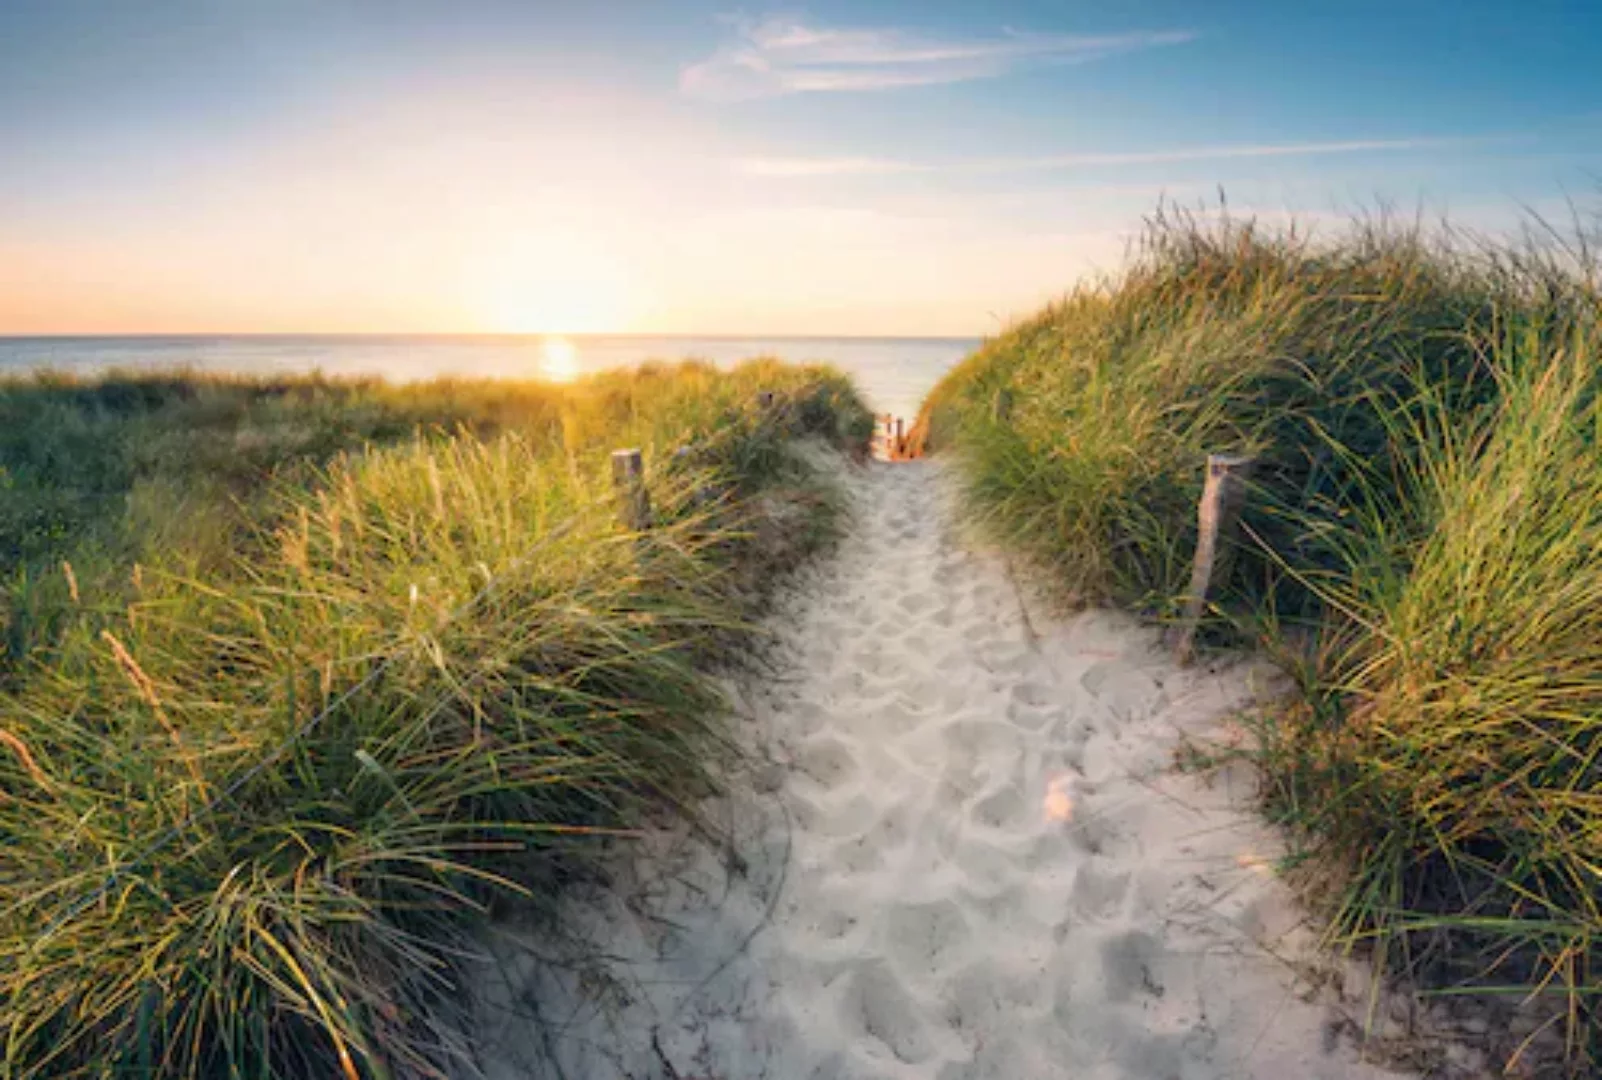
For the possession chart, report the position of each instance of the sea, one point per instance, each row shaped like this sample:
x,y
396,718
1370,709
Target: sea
x,y
894,373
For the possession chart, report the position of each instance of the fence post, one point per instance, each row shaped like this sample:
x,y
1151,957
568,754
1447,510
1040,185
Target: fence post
x,y
1217,518
628,476
901,439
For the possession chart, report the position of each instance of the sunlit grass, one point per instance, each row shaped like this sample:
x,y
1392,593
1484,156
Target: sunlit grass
x,y
1448,751
256,796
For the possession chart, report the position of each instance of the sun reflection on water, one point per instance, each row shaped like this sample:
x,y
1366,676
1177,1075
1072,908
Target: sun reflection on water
x,y
559,359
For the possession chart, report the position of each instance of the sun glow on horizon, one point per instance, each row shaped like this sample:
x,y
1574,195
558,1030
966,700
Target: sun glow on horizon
x,y
552,288
559,359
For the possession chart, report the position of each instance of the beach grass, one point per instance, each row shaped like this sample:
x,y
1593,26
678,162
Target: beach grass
x,y
306,678
1446,754
1420,548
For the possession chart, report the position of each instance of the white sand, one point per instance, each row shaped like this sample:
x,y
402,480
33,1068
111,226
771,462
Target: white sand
x,y
971,858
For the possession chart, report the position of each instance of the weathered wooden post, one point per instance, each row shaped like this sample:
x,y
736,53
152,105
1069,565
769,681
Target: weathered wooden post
x,y
1001,406
1217,520
634,502
901,439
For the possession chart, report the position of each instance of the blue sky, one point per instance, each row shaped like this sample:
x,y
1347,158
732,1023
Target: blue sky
x,y
686,166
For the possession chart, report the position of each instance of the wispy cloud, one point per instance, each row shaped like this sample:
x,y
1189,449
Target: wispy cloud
x,y
783,56
1215,153
846,166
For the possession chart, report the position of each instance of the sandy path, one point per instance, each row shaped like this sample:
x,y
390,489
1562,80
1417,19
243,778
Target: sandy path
x,y
971,858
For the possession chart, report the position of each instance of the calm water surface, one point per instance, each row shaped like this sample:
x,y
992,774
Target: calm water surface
x,y
895,373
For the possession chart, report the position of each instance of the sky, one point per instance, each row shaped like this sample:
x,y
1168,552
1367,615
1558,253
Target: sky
x,y
896,167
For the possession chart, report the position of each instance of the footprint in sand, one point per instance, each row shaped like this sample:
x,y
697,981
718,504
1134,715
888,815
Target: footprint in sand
x,y
977,859
975,738
1124,689
876,1005
1004,808
923,939
896,717
828,761
1006,658
805,718
856,855
874,658
1129,965
984,995
841,816
1099,891
935,697
1034,717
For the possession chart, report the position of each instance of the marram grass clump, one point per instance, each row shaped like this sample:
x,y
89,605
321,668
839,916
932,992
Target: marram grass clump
x,y
252,808
1229,338
1422,547
1448,756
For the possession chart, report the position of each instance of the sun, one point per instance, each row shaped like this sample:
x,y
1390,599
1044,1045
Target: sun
x,y
559,359
554,292
550,306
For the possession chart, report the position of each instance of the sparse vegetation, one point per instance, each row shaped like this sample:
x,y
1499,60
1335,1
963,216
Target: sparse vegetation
x,y
304,677
1423,548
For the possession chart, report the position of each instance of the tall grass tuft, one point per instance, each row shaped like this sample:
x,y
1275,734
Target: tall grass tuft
x,y
252,806
1448,753
1223,337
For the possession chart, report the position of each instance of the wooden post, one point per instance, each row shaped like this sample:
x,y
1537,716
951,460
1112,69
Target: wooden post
x,y
628,476
1001,406
1217,518
901,439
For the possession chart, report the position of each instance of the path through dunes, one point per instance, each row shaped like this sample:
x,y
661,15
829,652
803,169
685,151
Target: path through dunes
x,y
969,857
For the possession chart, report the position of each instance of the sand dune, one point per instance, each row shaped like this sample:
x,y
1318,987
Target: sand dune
x,y
969,856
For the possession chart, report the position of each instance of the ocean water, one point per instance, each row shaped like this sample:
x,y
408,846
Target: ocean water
x,y
894,373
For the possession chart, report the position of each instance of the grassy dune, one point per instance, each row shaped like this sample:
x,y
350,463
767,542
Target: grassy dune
x,y
1423,548
304,677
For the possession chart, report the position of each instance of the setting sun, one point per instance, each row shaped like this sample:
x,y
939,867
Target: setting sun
x,y
554,288
559,359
